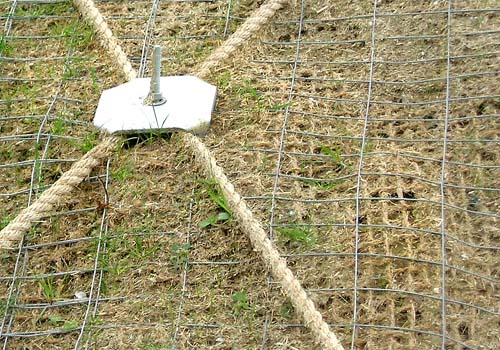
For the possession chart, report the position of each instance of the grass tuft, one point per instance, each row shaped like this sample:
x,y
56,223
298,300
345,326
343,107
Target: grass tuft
x,y
298,235
48,287
216,195
66,325
5,48
240,302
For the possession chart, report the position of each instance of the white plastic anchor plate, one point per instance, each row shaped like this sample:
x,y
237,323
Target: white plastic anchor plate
x,y
189,106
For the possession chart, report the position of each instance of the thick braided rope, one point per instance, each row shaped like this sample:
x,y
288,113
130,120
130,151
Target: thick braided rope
x,y
251,226
256,20
92,15
261,243
15,230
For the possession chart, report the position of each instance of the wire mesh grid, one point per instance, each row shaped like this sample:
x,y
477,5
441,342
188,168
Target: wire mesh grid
x,y
363,135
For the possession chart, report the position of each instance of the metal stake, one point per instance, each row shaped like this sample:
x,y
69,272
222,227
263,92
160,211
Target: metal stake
x,y
155,98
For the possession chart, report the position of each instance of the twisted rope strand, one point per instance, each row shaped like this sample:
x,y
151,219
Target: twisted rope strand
x,y
93,16
262,244
256,20
248,223
14,231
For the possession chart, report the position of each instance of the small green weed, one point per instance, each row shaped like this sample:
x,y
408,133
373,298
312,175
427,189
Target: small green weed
x,y
63,29
76,34
69,73
95,81
281,107
67,325
125,171
58,127
250,93
203,49
382,281
224,80
28,121
96,321
215,195
70,325
299,235
179,255
6,153
76,68
27,90
240,302
56,320
88,142
4,220
85,35
120,267
115,261
141,250
336,107
5,304
49,290
322,185
368,147
286,310
5,48
215,219
218,198
43,9
335,155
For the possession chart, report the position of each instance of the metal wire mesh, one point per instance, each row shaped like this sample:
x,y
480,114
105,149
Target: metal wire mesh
x,y
364,135
56,49
43,57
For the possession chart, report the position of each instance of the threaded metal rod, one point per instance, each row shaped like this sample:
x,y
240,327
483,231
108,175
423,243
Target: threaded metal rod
x,y
155,97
